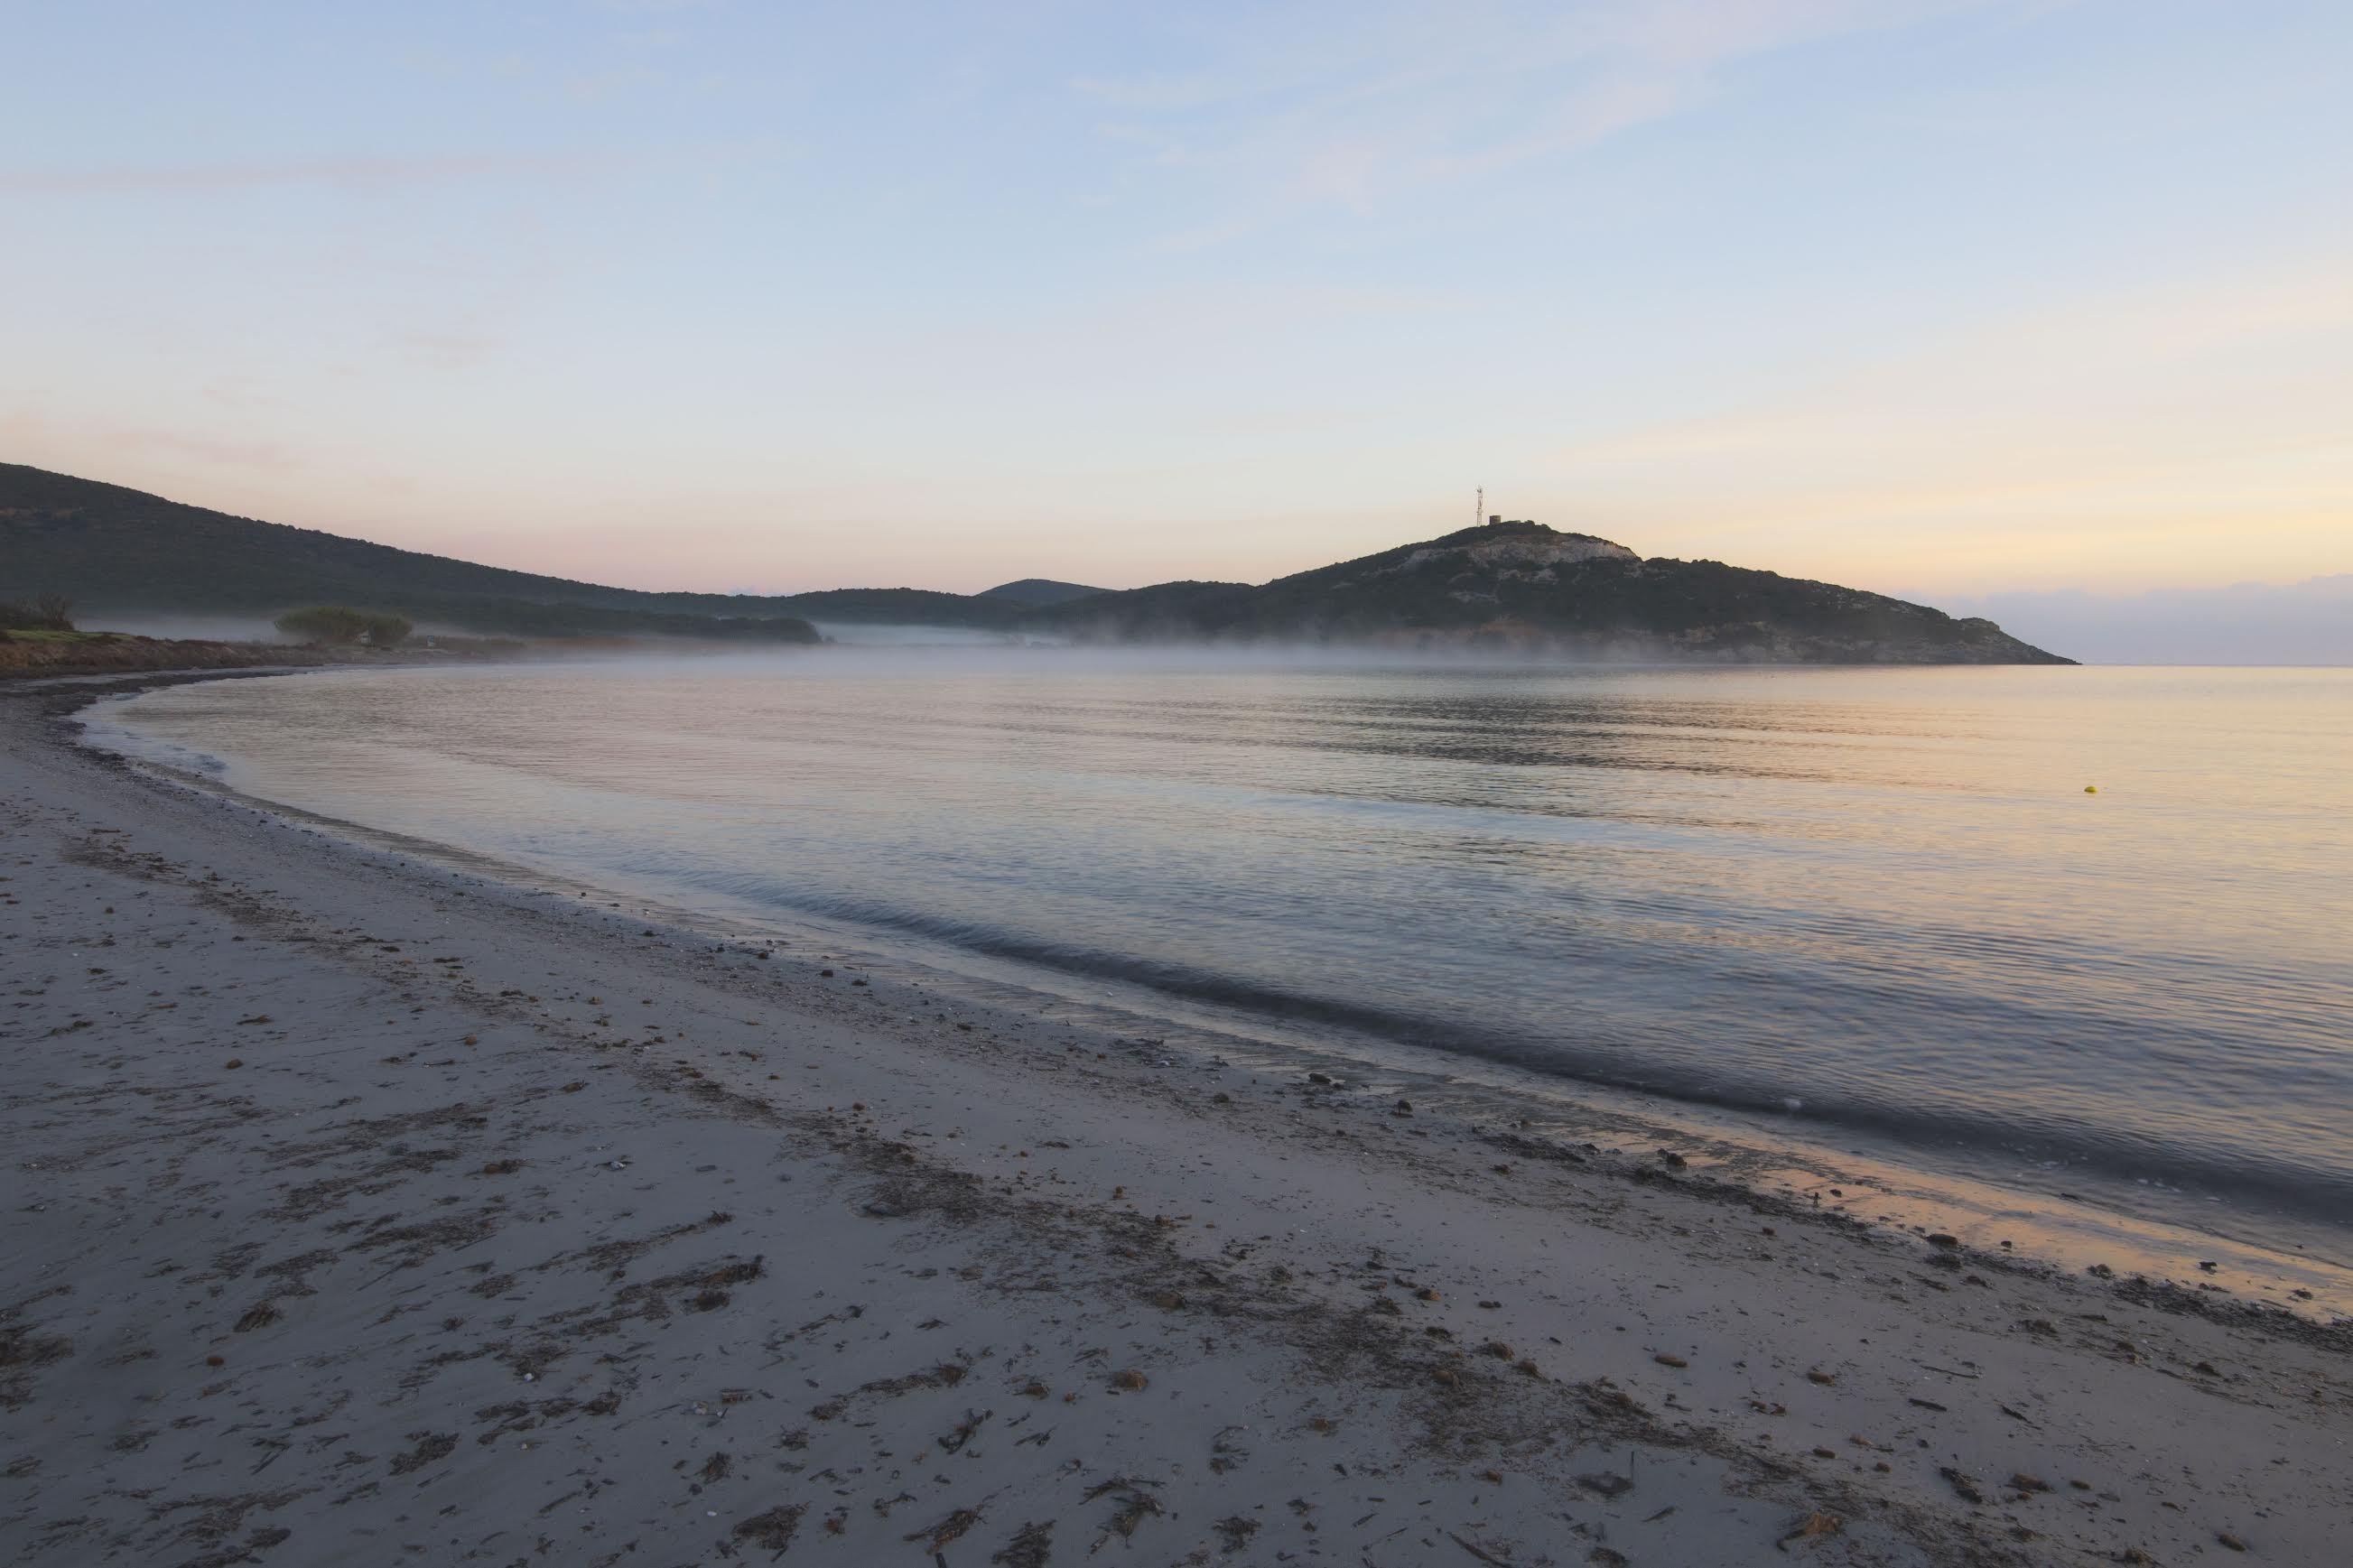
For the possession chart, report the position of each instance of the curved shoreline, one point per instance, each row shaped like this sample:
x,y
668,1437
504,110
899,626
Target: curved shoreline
x,y
1893,1183
515,1217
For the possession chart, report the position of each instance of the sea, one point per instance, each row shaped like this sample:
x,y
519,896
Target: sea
x,y
2083,936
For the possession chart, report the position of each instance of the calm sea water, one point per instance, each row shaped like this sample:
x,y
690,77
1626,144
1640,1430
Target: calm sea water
x,y
1878,901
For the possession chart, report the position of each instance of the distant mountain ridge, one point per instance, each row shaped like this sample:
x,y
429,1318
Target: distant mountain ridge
x,y
1516,586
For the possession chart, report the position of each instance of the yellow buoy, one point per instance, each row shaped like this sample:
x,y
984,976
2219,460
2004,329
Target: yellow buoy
x,y
2091,789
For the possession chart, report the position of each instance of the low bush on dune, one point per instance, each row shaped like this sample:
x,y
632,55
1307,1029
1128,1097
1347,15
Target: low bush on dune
x,y
340,623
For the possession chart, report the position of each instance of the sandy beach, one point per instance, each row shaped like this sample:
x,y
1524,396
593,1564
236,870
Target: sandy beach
x,y
363,1210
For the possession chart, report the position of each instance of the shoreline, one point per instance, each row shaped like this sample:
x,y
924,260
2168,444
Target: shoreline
x,y
2020,1215
1299,1277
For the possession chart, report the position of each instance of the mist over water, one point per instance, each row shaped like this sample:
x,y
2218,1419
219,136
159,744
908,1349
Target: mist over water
x,y
1875,902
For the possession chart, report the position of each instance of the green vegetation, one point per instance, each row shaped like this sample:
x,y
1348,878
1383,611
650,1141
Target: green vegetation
x,y
342,625
41,612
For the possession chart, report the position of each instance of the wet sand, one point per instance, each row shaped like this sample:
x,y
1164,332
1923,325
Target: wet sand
x,y
364,1211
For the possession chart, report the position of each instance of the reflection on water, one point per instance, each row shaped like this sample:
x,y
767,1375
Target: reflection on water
x,y
1873,899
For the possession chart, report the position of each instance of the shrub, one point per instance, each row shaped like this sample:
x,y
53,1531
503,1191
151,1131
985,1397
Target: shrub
x,y
342,624
42,613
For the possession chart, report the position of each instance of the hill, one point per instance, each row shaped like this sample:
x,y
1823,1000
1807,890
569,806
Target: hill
x,y
1524,587
1513,586
1036,592
118,551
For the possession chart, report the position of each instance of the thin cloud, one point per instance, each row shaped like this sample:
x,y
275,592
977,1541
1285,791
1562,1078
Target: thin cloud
x,y
447,349
1294,113
356,174
93,444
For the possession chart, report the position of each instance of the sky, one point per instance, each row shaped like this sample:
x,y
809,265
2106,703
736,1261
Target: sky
x,y
1977,301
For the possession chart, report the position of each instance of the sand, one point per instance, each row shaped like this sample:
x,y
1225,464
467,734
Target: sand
x,y
364,1211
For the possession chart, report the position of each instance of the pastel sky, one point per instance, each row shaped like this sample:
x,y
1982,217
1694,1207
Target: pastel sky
x,y
1950,298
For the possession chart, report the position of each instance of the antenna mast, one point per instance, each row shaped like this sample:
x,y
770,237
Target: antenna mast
x,y
1479,508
